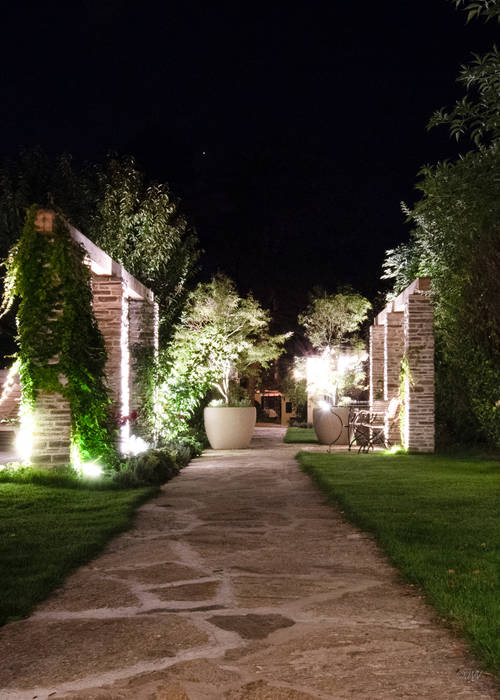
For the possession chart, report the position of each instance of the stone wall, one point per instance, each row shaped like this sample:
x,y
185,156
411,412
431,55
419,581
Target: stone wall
x,y
394,340
406,327
111,311
143,338
51,433
419,386
127,317
377,334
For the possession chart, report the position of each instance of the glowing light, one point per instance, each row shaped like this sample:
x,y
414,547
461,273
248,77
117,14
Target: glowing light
x,y
395,449
10,382
124,376
135,445
91,469
24,437
324,405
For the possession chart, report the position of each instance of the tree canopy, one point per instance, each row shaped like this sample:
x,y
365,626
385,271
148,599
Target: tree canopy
x,y
330,319
456,241
221,337
137,222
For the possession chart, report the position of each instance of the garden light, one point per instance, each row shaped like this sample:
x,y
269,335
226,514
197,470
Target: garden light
x,y
91,469
324,405
135,445
24,437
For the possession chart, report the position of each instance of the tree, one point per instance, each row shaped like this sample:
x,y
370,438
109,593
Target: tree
x,y
229,334
137,222
221,337
140,225
330,319
331,322
456,241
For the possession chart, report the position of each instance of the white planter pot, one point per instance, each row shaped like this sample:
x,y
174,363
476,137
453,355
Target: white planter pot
x,y
330,426
229,428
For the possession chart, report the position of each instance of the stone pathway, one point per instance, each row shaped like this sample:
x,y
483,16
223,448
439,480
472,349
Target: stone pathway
x,y
237,583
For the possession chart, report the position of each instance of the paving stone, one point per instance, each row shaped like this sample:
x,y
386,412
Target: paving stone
x,y
238,582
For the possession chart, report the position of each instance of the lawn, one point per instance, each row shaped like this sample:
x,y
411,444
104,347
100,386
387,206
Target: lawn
x,y
300,436
438,520
46,532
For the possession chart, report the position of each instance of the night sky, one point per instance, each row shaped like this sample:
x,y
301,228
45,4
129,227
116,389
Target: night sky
x,y
290,134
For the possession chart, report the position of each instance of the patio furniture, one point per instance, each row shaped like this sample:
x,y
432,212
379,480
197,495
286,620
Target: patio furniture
x,y
370,429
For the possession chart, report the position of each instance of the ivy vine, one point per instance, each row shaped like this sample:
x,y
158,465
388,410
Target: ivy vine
x,y
61,349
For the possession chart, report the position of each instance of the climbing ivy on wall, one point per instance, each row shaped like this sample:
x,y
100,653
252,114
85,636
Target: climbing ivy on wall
x,y
61,349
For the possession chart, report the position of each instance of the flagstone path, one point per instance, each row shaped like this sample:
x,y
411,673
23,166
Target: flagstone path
x,y
238,583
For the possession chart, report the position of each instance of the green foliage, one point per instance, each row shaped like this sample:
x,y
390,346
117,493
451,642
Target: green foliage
x,y
156,466
61,349
478,113
456,241
45,533
303,436
437,519
56,477
137,222
221,337
489,9
330,319
150,468
33,176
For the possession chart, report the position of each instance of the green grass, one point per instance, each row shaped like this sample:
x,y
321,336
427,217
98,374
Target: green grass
x,y
300,436
438,520
46,532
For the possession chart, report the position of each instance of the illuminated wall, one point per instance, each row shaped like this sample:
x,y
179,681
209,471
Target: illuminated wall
x,y
127,316
404,329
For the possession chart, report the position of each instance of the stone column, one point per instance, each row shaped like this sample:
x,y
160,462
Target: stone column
x,y
393,354
51,431
143,336
45,434
419,387
377,334
111,311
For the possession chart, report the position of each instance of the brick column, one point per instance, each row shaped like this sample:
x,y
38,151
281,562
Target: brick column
x,y
419,390
377,334
111,311
143,335
51,433
393,354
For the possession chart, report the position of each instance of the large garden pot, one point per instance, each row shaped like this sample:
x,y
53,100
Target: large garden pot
x,y
229,428
330,425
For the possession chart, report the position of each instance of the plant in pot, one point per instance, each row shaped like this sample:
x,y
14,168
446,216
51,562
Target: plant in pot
x,y
223,337
331,322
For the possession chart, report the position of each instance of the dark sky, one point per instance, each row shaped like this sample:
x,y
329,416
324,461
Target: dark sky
x,y
291,134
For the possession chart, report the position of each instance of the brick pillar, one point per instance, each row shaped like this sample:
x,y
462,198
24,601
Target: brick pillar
x,y
51,433
393,354
377,334
143,335
111,311
419,390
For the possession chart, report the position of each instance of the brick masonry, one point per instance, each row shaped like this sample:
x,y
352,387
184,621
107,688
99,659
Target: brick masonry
x,y
127,325
376,364
393,354
143,336
52,431
110,308
419,389
408,332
